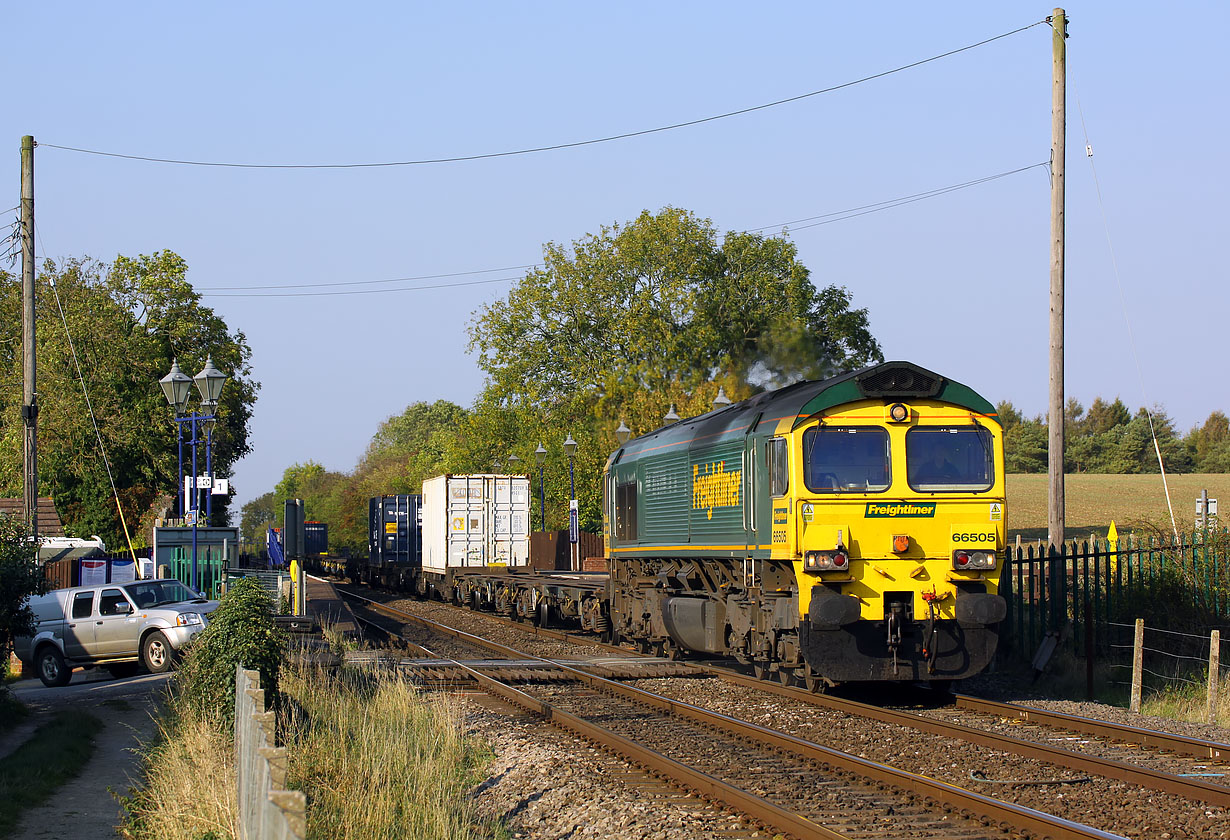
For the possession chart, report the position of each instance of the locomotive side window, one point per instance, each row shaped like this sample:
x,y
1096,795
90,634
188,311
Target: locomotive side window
x,y
779,474
625,511
949,458
846,459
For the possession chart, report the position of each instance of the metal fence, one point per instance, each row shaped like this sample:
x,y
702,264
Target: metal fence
x,y
1078,592
266,810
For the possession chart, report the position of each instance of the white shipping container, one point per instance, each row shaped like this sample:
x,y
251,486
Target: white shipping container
x,y
474,521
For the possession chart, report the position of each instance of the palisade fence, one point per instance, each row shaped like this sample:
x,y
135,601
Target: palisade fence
x,y
266,810
1088,595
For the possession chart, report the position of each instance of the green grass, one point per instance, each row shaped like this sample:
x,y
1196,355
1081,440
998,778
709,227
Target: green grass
x,y
1093,501
57,752
12,710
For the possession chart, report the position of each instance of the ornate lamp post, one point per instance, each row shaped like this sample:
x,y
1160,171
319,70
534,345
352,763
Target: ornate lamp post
x,y
623,433
177,388
540,458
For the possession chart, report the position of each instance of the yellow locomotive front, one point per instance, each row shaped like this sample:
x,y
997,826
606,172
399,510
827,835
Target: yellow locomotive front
x,y
892,514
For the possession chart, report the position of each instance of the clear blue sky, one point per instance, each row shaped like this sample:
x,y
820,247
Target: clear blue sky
x,y
957,283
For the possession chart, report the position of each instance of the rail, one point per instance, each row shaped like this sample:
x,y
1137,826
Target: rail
x,y
1188,787
267,811
961,799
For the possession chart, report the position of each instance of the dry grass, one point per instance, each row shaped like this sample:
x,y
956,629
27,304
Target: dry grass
x,y
1092,501
356,738
190,786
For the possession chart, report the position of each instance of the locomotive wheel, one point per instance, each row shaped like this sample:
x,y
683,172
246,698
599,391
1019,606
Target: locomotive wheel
x,y
542,615
813,682
644,646
785,676
760,669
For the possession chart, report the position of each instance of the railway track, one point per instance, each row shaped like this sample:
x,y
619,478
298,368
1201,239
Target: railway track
x,y
793,785
1132,755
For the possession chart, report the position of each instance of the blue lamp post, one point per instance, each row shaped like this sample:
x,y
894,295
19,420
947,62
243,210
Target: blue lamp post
x,y
178,388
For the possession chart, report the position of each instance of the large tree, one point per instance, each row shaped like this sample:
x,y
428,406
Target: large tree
x,y
624,323
127,320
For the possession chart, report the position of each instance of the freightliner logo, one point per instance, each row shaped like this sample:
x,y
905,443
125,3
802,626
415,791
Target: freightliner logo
x,y
899,510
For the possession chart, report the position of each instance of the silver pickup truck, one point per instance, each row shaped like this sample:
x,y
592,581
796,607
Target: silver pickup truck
x,y
115,626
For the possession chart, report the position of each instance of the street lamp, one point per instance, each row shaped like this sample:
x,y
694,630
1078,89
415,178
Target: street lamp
x,y
570,446
177,388
540,457
623,433
513,460
671,416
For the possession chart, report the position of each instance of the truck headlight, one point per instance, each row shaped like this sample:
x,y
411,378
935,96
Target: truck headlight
x,y
185,619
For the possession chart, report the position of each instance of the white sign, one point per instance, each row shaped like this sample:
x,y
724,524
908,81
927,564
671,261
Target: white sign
x,y
190,517
221,487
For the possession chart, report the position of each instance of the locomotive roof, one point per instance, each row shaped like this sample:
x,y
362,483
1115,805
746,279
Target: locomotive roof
x,y
892,381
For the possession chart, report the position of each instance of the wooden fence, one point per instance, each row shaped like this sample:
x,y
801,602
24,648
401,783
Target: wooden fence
x,y
266,810
1084,589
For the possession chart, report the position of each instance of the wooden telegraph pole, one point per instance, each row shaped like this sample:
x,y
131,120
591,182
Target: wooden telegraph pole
x,y
1055,447
29,401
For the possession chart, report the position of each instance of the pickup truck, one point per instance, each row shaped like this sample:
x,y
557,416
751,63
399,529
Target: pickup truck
x,y
115,626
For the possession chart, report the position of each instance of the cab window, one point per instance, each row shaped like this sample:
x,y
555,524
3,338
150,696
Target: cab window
x,y
779,475
846,459
83,604
949,459
113,602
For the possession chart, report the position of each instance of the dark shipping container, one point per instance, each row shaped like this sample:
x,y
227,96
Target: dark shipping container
x,y
315,538
395,532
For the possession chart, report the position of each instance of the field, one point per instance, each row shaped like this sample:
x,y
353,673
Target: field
x,y
1092,501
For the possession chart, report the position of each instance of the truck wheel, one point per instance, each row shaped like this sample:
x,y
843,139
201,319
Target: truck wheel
x,y
52,669
156,653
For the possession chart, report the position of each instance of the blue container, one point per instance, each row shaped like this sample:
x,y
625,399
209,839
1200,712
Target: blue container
x,y
395,532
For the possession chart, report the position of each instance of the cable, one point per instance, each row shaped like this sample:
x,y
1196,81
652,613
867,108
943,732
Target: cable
x,y
367,282
1157,450
556,146
365,291
97,434
855,212
836,216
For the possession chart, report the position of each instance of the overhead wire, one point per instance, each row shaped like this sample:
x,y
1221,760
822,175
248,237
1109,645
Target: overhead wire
x,y
1157,450
555,146
828,218
93,419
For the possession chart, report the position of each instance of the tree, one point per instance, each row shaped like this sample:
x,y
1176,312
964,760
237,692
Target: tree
x,y
127,321
20,577
1209,444
629,321
257,517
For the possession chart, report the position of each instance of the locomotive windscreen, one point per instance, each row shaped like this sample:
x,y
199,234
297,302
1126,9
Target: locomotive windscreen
x,y
955,458
851,459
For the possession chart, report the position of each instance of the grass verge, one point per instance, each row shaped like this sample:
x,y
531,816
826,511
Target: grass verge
x,y
189,791
349,734
55,753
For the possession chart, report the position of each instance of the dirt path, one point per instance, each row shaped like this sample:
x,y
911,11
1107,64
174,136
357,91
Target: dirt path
x,y
85,807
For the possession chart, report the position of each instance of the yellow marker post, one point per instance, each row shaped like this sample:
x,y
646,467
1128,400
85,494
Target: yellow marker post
x,y
1112,546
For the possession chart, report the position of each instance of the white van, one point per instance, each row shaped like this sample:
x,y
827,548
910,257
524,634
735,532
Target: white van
x,y
116,626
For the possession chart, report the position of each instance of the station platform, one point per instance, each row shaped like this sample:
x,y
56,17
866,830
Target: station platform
x,y
326,609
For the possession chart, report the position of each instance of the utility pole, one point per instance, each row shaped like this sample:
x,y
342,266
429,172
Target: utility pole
x,y
29,401
1055,443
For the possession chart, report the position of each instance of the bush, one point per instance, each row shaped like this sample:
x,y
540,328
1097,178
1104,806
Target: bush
x,y
240,632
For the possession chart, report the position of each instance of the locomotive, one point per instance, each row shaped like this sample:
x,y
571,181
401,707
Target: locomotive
x,y
831,531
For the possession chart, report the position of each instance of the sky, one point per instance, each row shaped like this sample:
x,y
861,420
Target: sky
x,y
958,283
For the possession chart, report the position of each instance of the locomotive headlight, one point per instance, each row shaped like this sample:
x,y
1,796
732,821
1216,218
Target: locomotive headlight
x,y
898,412
963,560
823,561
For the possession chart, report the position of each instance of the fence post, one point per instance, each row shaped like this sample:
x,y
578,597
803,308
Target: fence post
x,y
1088,652
1138,664
1214,669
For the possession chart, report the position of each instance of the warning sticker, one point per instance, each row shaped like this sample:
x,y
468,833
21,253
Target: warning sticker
x,y
997,511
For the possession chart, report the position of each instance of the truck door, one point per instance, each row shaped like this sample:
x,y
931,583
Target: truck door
x,y
79,625
115,627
